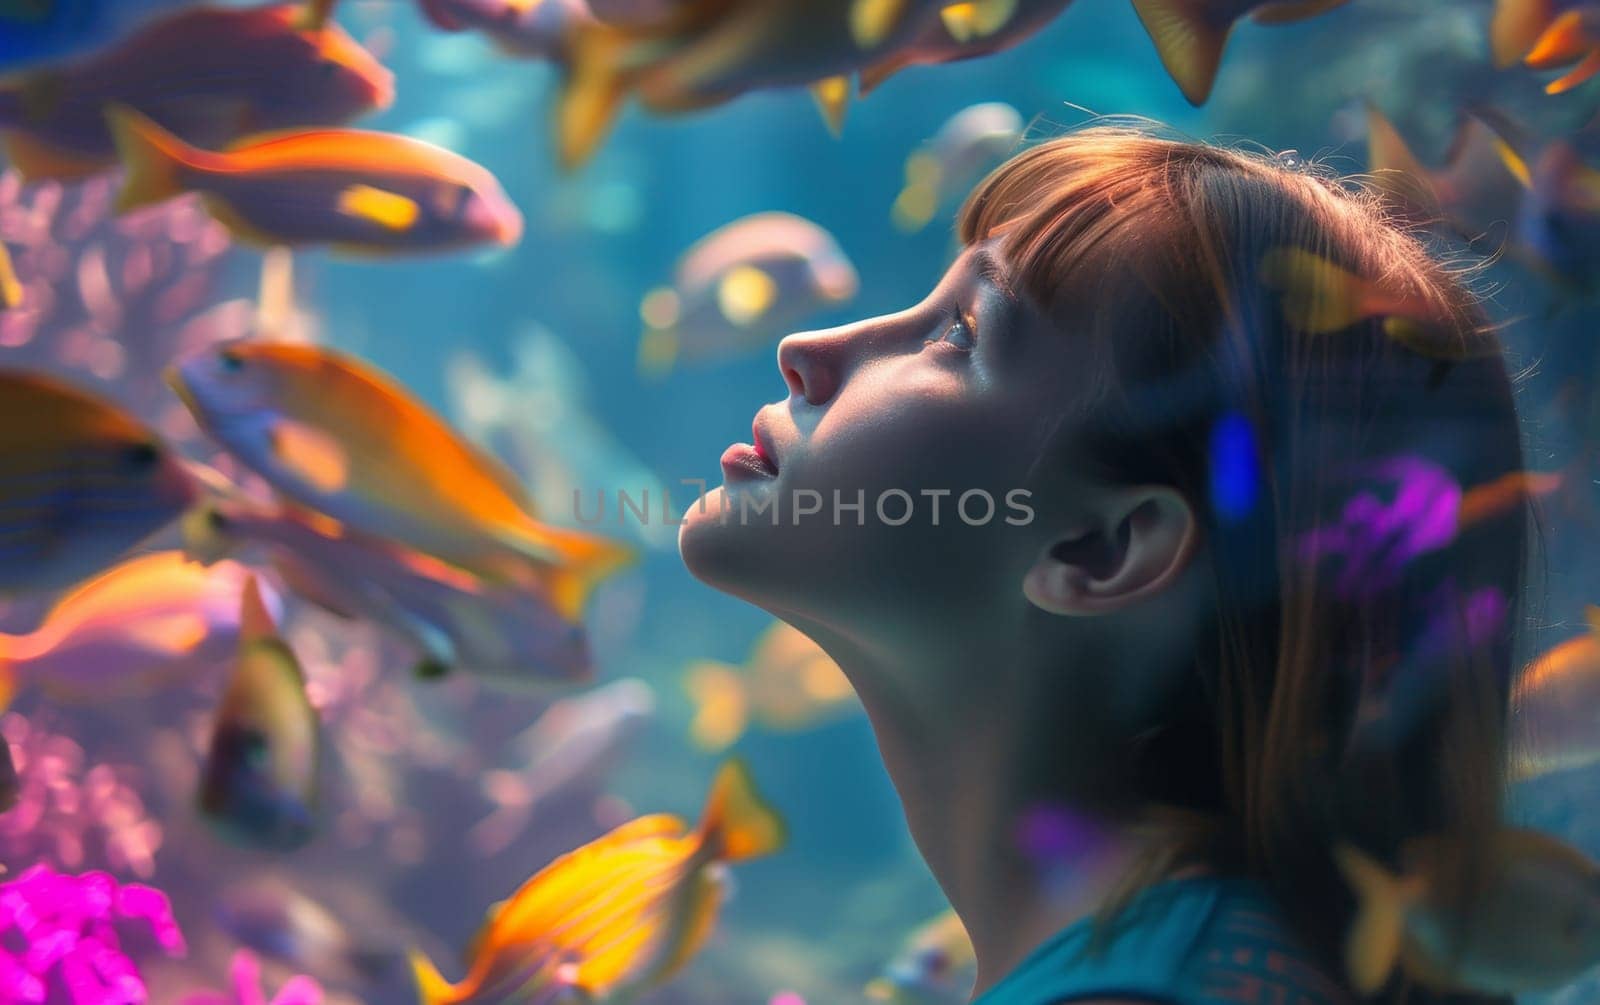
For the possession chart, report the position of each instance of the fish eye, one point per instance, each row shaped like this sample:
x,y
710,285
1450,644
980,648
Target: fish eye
x,y
141,455
231,361
216,520
328,68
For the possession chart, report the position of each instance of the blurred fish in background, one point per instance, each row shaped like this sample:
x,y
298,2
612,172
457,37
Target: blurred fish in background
x,y
264,73
259,785
788,683
740,287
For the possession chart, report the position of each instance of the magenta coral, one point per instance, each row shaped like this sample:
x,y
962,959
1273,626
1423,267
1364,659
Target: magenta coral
x,y
246,975
59,942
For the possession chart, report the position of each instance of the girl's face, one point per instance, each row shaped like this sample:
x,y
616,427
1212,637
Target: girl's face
x,y
900,479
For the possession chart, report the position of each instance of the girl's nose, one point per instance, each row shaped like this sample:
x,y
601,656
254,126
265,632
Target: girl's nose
x,y
813,363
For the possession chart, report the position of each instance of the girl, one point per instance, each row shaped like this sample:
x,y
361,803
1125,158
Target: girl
x,y
1138,540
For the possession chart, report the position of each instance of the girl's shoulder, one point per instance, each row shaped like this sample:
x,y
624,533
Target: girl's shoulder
x,y
1200,940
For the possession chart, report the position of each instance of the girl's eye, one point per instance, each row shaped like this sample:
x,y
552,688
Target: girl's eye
x,y
957,334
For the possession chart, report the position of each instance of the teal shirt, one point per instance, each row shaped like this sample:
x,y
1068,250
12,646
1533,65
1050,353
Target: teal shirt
x,y
1202,940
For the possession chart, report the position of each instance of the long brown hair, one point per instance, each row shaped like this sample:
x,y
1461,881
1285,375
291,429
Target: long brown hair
x,y
1337,701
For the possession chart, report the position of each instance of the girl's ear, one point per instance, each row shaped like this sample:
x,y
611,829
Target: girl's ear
x,y
1140,542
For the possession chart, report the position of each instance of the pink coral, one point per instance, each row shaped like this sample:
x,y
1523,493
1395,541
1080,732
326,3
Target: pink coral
x,y
113,299
60,941
246,974
69,814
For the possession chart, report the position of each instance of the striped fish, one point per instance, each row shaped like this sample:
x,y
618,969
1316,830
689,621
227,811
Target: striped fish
x,y
81,483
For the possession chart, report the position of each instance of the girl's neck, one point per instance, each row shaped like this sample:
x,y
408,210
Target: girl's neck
x,y
1017,868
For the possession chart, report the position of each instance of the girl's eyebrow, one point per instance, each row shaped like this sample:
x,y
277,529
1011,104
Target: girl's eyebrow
x,y
988,266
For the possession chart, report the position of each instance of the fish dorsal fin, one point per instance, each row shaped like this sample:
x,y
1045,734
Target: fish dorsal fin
x,y
833,100
1189,43
871,21
255,621
389,210
311,454
973,20
737,823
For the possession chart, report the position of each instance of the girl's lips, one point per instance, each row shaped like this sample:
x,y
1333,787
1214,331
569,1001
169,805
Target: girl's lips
x,y
746,459
759,442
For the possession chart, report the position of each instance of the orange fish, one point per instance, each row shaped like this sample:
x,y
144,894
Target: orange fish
x,y
344,439
153,618
617,916
358,192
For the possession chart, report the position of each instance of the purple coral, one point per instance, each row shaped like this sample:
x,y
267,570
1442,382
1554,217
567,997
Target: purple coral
x,y
70,815
246,975
59,942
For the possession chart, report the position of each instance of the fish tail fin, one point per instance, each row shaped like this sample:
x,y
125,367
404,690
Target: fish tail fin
x,y
591,95
432,988
1188,41
721,704
581,562
315,15
737,823
1397,174
153,158
1516,26
1374,942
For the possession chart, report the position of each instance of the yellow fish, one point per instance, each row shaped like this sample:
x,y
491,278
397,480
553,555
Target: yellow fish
x,y
153,618
1534,925
259,782
1321,298
344,439
81,483
618,915
788,683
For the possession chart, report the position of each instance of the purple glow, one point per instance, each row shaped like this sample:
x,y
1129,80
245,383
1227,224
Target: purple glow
x,y
1375,540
